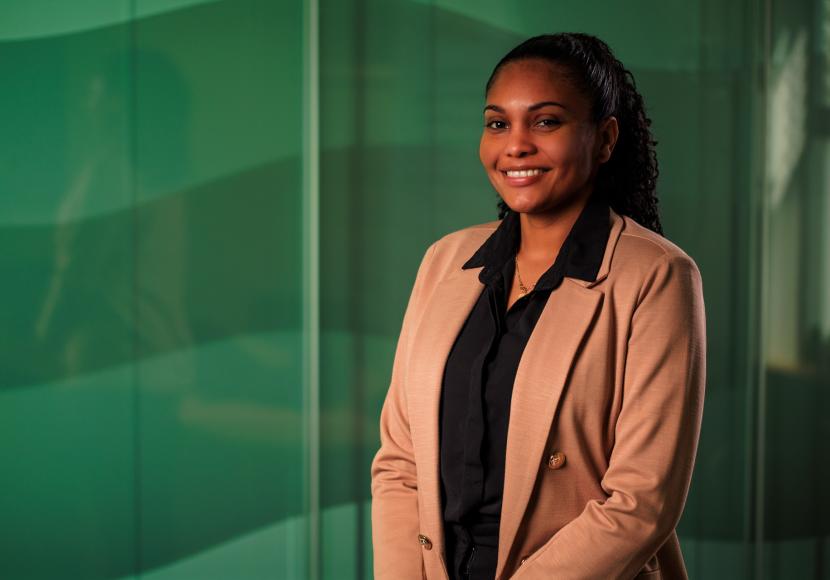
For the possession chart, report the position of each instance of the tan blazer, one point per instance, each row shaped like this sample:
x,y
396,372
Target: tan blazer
x,y
604,419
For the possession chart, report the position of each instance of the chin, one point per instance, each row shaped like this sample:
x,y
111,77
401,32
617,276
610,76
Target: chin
x,y
539,204
524,204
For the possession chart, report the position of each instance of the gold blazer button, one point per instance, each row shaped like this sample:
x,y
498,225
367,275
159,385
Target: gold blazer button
x,y
556,460
425,542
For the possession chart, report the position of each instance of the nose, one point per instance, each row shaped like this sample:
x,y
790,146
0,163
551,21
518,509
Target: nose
x,y
519,143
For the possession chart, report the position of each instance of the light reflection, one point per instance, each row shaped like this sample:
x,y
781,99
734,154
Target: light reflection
x,y
787,113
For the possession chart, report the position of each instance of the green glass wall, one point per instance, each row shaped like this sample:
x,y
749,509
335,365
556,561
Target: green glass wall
x,y
212,213
151,411
794,390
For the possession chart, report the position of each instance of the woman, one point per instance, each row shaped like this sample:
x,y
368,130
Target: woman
x,y
547,390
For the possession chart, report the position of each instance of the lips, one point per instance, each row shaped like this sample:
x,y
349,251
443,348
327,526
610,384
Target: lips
x,y
522,176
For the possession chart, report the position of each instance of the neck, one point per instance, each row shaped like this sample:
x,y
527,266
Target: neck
x,y
542,234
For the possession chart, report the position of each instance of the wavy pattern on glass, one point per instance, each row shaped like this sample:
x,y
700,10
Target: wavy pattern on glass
x,y
151,388
37,19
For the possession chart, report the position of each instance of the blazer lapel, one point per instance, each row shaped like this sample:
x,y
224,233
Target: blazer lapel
x,y
447,309
538,388
540,378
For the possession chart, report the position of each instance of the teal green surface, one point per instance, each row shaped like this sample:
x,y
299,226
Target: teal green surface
x,y
152,386
151,397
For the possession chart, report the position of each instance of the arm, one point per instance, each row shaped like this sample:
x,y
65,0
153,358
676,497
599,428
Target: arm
x,y
395,521
656,438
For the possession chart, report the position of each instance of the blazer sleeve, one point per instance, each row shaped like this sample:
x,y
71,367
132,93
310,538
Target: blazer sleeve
x,y
395,520
656,437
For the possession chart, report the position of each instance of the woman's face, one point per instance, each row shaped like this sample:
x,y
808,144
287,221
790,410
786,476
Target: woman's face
x,y
539,146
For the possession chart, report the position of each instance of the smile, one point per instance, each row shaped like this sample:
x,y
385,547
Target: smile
x,y
524,172
523,177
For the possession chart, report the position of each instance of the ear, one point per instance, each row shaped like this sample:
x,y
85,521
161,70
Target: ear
x,y
609,130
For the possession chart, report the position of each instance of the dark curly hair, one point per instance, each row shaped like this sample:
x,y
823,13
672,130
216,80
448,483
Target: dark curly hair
x,y
628,179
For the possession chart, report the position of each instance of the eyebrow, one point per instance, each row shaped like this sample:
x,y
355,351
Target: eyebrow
x,y
498,109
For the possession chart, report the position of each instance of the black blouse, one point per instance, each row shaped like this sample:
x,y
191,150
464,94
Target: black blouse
x,y
481,367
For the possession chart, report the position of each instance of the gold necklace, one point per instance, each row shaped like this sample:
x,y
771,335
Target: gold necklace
x,y
522,288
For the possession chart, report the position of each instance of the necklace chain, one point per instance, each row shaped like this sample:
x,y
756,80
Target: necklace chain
x,y
522,288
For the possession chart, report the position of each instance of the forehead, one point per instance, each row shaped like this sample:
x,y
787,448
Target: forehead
x,y
522,83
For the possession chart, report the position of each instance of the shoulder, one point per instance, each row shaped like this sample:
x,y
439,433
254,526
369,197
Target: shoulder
x,y
640,248
449,252
643,257
470,237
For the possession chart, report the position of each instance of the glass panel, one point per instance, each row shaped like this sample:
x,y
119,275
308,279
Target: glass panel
x,y
67,420
797,350
151,395
219,289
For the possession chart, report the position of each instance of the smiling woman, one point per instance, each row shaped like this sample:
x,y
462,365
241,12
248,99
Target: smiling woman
x,y
539,154
547,390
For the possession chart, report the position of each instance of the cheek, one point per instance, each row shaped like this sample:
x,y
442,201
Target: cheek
x,y
487,152
573,153
587,151
564,158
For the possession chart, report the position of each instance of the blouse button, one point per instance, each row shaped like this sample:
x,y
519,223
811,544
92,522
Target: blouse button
x,y
425,542
556,460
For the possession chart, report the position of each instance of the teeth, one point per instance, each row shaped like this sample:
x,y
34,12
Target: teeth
x,y
524,173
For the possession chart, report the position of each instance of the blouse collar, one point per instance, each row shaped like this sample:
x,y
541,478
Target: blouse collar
x,y
580,256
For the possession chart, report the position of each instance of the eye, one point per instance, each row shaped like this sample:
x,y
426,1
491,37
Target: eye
x,y
495,124
549,122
